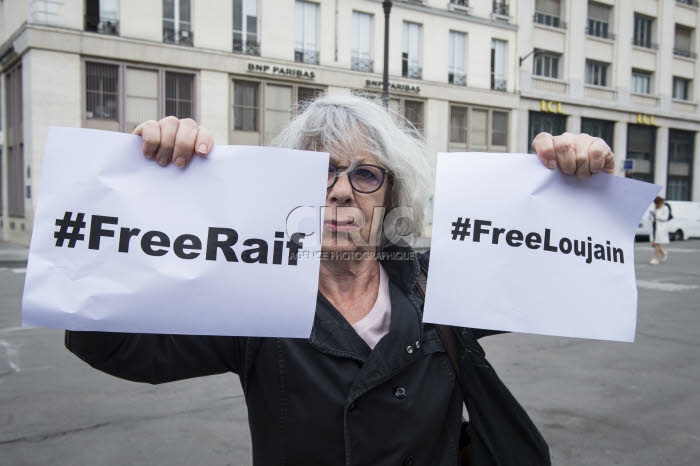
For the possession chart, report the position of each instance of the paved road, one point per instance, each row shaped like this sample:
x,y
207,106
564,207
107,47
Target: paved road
x,y
597,403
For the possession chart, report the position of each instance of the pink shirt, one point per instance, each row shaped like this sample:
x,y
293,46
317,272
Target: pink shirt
x,y
376,324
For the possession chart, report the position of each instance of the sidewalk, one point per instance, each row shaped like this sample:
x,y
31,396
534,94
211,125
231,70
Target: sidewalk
x,y
12,254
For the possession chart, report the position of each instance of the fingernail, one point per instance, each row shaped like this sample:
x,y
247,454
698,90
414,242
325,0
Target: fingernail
x,y
202,149
163,162
552,164
180,162
149,155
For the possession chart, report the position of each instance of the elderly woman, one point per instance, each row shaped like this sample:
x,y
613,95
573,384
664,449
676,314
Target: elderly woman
x,y
372,384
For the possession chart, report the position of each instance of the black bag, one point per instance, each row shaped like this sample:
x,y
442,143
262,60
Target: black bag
x,y
499,432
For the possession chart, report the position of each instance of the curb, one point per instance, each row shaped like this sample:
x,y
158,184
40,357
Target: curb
x,y
13,264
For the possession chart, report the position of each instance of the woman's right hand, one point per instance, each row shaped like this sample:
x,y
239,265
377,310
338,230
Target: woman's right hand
x,y
173,140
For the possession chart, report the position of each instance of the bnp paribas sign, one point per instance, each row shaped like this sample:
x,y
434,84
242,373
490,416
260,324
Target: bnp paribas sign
x,y
393,86
281,71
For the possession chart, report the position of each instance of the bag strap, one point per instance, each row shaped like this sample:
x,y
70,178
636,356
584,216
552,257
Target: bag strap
x,y
445,332
505,433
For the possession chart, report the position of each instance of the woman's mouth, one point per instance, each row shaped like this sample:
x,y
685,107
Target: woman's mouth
x,y
339,226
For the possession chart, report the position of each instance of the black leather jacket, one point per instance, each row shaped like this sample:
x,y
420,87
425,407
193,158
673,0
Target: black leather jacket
x,y
329,399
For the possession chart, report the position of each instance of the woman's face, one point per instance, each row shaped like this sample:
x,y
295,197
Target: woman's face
x,y
351,223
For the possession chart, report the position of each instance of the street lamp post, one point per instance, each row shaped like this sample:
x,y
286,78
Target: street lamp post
x,y
385,85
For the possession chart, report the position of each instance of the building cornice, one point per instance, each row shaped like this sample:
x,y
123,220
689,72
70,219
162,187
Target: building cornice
x,y
8,52
149,53
616,107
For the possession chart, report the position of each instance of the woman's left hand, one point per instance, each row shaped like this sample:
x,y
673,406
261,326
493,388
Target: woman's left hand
x,y
579,154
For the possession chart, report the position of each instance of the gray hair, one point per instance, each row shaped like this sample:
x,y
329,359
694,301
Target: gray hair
x,y
347,124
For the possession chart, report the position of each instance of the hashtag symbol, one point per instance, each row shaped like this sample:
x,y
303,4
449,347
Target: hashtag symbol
x,y
461,228
69,229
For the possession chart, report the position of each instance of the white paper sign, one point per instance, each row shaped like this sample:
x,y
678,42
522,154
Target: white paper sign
x,y
519,247
122,244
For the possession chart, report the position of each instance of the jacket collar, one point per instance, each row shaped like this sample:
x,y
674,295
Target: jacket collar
x,y
332,334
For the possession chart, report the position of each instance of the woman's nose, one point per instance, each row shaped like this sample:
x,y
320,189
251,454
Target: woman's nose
x,y
341,192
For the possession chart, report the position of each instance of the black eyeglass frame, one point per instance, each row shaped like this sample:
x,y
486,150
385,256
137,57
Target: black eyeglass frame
x,y
339,170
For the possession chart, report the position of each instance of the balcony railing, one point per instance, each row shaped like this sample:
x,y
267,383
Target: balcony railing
x,y
359,63
306,56
600,34
645,44
460,6
102,25
501,8
548,84
688,2
249,47
683,106
412,72
685,53
549,20
181,37
597,28
457,78
498,84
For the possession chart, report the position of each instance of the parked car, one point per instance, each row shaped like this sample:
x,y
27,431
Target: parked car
x,y
684,224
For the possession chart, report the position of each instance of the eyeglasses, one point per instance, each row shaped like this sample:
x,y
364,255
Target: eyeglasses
x,y
363,178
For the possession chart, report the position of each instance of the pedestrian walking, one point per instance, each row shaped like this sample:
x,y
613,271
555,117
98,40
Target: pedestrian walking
x,y
373,384
659,229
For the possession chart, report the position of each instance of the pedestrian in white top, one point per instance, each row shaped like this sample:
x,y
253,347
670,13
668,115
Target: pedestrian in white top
x,y
659,229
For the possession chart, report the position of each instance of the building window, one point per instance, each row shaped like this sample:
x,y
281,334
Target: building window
x,y
141,95
596,73
680,165
278,110
306,95
641,82
177,23
499,131
598,20
539,122
602,129
15,142
500,8
681,88
179,99
245,105
458,125
682,45
412,110
548,12
478,129
306,32
688,2
546,64
147,94
261,109
361,53
455,67
410,52
245,27
643,31
641,146
102,92
498,65
102,16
